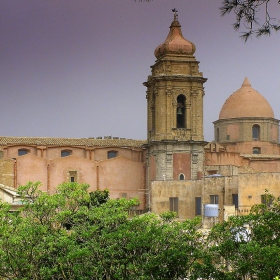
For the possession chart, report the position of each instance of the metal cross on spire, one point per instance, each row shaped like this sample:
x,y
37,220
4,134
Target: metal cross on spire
x,y
175,13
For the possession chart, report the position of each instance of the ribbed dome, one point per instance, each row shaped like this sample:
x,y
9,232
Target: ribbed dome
x,y
246,102
175,43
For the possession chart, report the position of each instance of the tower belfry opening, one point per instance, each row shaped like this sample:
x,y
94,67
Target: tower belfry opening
x,y
181,114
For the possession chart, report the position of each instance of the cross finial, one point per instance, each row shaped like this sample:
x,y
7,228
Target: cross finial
x,y
175,14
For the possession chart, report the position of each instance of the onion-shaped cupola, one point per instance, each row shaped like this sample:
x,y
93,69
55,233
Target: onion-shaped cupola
x,y
175,43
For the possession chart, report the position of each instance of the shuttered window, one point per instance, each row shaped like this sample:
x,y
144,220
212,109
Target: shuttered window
x,y
214,199
173,204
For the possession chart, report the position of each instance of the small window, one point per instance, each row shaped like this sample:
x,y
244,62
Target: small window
x,y
218,134
22,152
235,200
66,153
198,206
73,176
181,177
256,150
173,204
228,137
214,199
112,154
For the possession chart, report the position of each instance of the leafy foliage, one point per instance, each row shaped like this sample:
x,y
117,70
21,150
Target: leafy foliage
x,y
248,247
74,234
246,12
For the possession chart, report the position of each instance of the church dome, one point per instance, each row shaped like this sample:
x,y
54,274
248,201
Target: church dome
x,y
246,102
175,43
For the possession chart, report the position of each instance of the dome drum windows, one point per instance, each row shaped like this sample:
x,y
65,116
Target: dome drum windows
x,y
256,132
218,134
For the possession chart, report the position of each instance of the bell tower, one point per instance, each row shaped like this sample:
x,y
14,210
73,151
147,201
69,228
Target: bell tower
x,y
175,110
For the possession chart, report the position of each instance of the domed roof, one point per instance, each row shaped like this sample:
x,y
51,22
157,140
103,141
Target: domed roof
x,y
246,102
175,43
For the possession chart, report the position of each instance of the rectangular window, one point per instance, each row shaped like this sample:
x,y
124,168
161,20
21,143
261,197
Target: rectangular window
x,y
235,200
198,206
214,199
228,137
73,176
173,204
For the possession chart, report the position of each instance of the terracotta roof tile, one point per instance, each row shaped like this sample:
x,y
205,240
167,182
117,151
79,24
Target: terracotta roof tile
x,y
48,141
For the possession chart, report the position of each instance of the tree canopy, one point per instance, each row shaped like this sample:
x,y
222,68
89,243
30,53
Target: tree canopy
x,y
248,245
74,234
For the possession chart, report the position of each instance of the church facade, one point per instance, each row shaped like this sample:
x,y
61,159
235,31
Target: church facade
x,y
174,169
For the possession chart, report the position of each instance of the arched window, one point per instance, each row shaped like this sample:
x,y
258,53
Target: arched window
x,y
256,150
112,154
181,176
181,111
66,153
256,132
22,152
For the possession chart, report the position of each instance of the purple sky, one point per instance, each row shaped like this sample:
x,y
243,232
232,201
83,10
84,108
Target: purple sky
x,y
75,68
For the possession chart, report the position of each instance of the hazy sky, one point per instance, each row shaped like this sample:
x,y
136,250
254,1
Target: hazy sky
x,y
75,68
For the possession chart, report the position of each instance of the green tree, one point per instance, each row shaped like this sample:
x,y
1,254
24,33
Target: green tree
x,y
102,242
248,247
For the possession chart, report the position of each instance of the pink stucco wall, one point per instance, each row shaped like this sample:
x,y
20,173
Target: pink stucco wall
x,y
122,177
59,171
31,168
